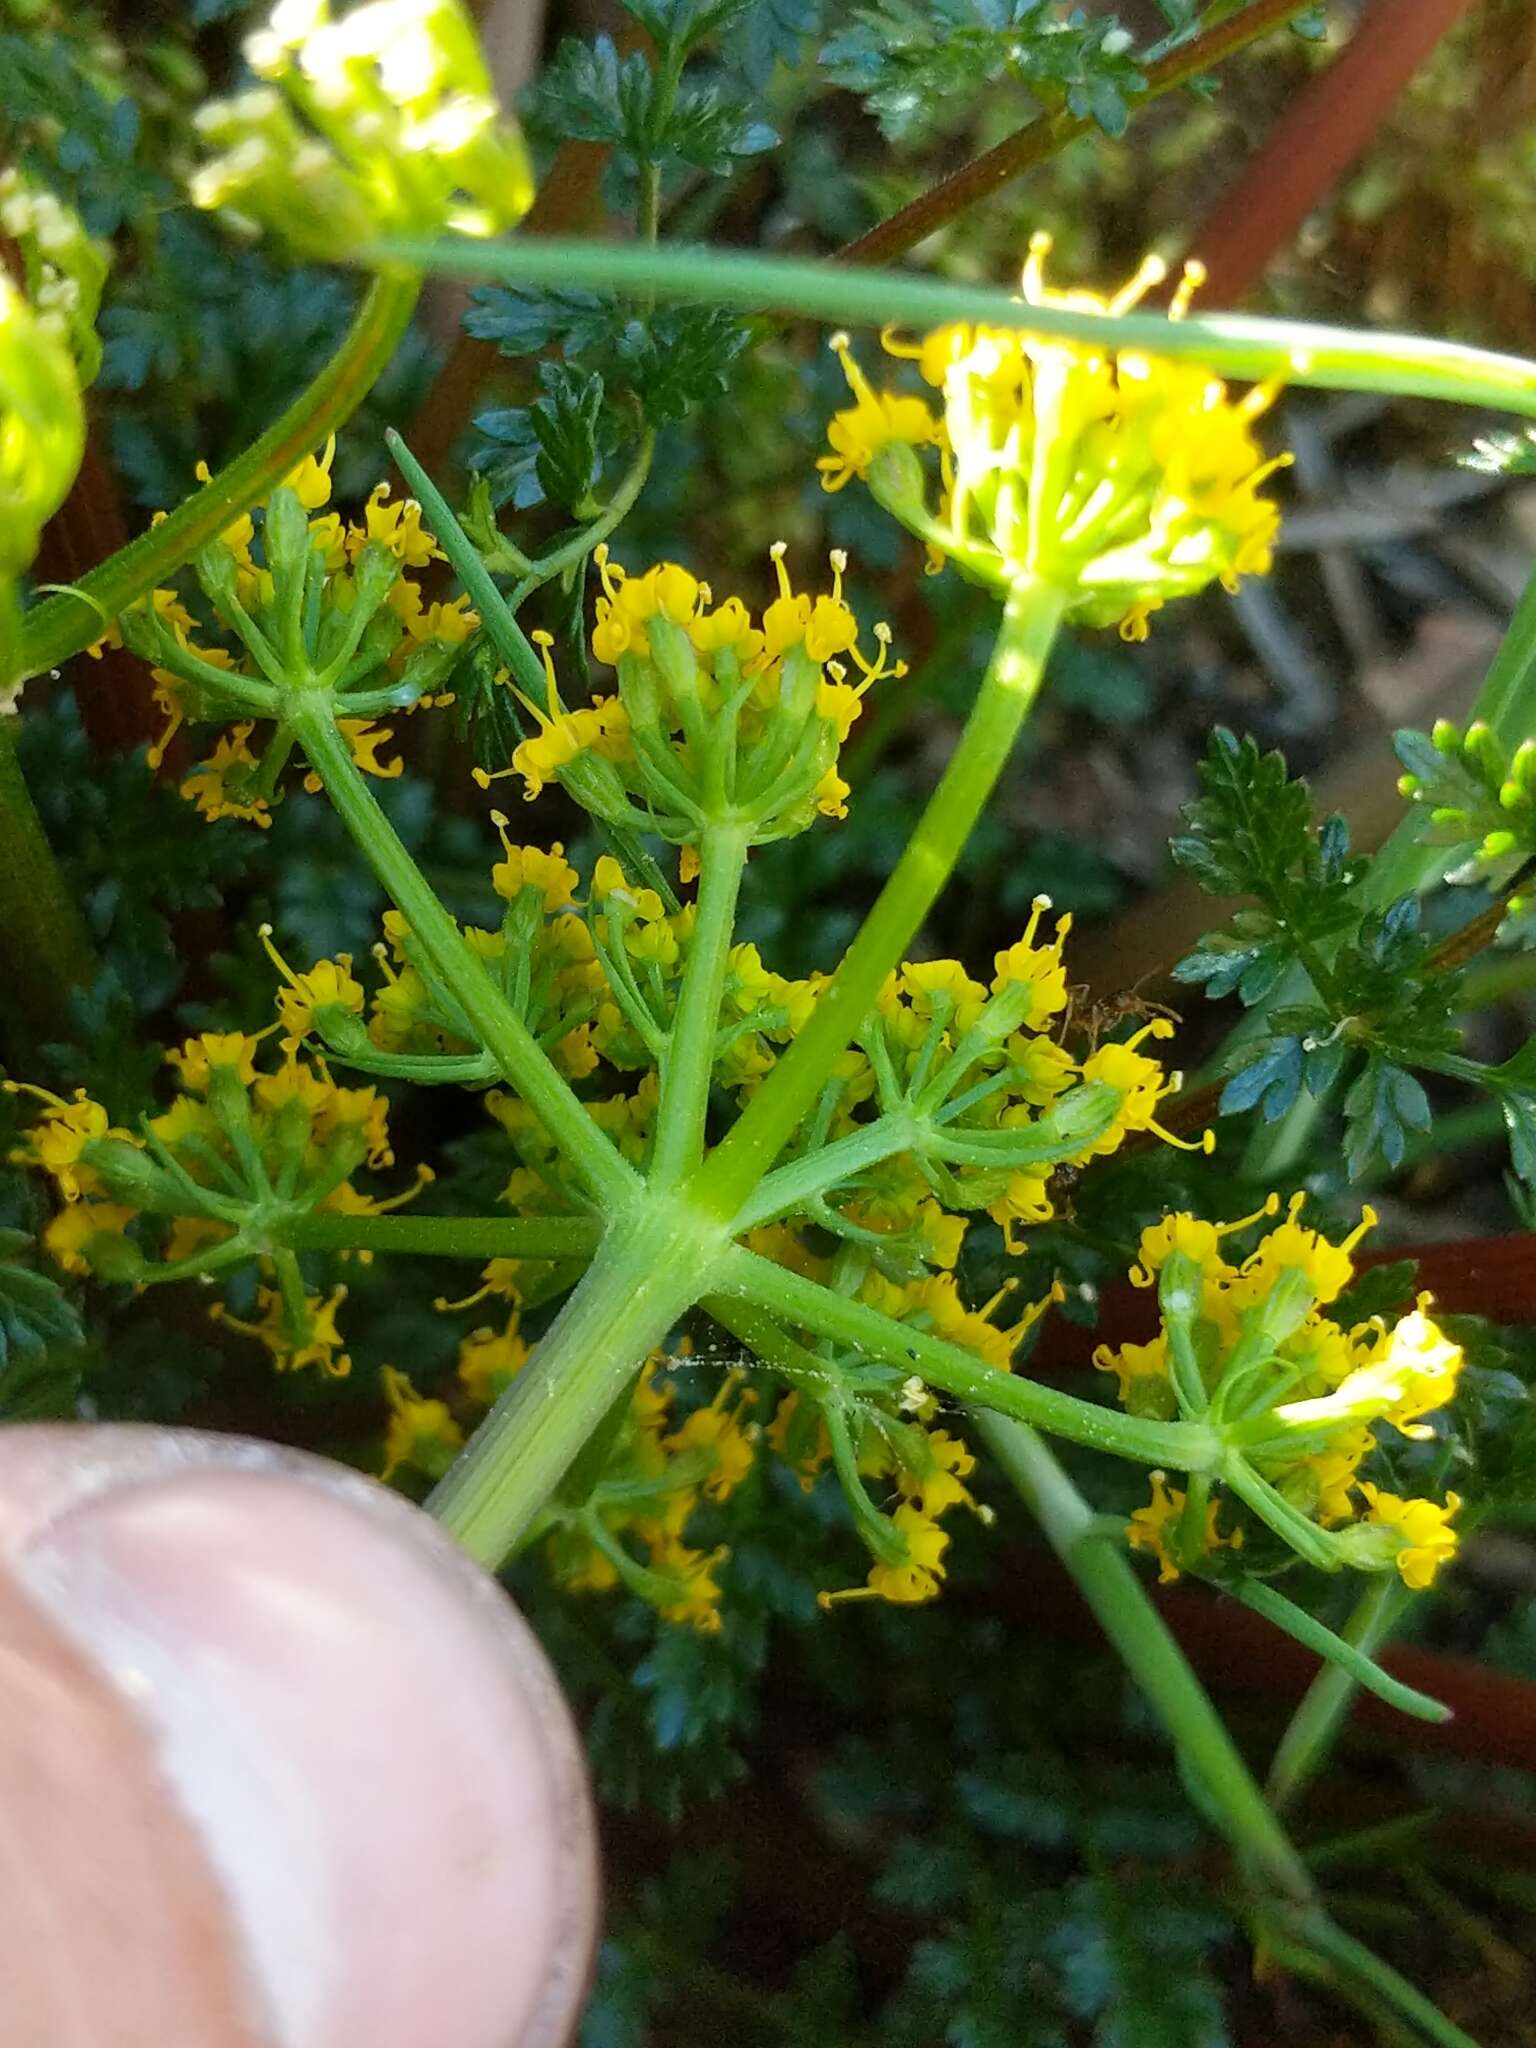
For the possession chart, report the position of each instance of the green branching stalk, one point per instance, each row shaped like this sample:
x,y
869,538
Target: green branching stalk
x,y
1110,1586
688,1060
1345,1656
1288,1914
42,937
1232,344
743,1275
523,1063
1314,1727
72,619
1317,1947
447,1237
649,1271
1031,618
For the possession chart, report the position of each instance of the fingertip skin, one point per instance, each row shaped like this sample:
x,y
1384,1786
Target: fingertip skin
x,y
344,1770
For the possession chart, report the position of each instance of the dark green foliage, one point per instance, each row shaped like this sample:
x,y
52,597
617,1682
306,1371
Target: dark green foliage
x,y
1251,834
80,128
590,94
35,1316
915,62
1371,1003
618,372
567,421
138,854
768,34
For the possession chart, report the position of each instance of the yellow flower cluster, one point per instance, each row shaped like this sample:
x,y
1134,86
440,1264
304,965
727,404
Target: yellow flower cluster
x,y
663,1469
717,714
1301,1394
239,1149
981,1067
1122,479
364,629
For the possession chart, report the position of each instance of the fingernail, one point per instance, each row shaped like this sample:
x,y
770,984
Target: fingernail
x,y
362,1732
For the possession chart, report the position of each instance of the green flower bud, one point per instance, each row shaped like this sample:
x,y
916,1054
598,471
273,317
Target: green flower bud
x,y
131,1176
381,122
64,268
42,437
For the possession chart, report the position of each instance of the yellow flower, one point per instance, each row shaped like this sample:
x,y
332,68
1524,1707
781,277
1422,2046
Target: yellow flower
x,y
876,420
1038,967
1327,1268
196,1058
1425,1538
697,1604
938,1488
751,714
918,1577
329,984
488,1361
1155,1528
601,727
311,481
530,867
1415,1375
364,737
718,1429
396,526
1195,1238
421,1433
1122,479
57,1141
78,1225
1333,1472
1143,1083
317,1342
221,787
943,988
1138,1367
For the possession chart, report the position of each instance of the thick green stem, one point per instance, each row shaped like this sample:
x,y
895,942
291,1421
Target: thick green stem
x,y
687,1064
42,937
1233,344
1351,1969
67,622
1314,1727
1031,618
516,1051
1183,1446
447,1237
1142,1639
648,1271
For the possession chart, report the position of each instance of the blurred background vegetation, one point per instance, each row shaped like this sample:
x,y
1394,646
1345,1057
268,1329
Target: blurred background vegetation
x,y
955,1825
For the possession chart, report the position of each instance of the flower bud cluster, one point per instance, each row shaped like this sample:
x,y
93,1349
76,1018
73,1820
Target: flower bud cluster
x,y
298,601
718,716
1299,1400
1122,479
381,121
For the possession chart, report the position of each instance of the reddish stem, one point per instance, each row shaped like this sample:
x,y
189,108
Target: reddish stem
x,y
1323,130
